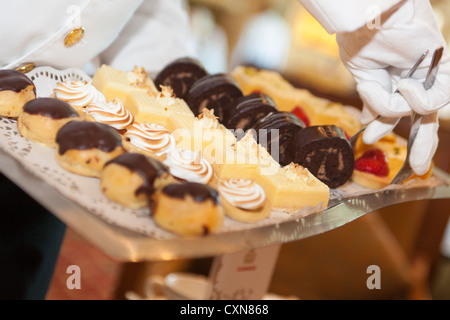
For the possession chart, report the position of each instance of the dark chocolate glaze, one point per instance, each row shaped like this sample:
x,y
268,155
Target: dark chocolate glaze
x,y
14,81
257,96
84,135
326,153
288,125
50,107
180,75
214,92
249,111
148,168
198,191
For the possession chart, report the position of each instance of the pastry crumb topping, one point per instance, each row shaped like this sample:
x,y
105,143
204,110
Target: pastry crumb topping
x,y
138,77
209,120
166,97
298,173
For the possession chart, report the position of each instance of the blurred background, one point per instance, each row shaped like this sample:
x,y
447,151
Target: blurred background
x,y
410,242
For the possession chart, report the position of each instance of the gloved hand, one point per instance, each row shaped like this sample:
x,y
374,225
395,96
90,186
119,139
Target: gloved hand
x,y
379,58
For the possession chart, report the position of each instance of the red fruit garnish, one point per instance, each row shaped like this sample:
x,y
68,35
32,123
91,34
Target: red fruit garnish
x,y
300,113
373,161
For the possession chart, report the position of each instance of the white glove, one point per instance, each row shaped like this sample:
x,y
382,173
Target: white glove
x,y
379,58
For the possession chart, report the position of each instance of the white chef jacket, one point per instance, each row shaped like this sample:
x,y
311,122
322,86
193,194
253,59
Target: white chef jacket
x,y
346,15
121,33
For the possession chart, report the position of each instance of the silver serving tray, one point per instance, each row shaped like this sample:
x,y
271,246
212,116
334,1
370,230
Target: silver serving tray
x,y
129,246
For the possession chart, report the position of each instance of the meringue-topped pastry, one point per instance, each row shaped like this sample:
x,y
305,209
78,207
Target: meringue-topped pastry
x,y
113,113
243,193
151,139
189,166
78,94
243,199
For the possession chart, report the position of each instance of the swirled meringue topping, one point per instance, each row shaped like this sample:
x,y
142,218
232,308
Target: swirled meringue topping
x,y
113,113
189,165
79,94
150,137
242,193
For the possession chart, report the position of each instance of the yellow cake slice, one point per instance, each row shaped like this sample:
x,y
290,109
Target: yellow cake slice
x,y
243,160
255,153
114,83
157,107
202,133
230,163
293,187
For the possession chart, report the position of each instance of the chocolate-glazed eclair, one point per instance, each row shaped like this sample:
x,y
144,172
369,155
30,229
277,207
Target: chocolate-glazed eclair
x,y
214,92
277,132
131,179
180,75
85,147
188,209
42,118
16,89
248,110
326,153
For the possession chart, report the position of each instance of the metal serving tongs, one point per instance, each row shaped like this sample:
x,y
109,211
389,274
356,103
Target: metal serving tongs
x,y
411,72
406,171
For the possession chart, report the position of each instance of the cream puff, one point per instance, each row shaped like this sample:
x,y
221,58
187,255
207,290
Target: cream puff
x,y
131,179
16,89
188,209
85,147
41,119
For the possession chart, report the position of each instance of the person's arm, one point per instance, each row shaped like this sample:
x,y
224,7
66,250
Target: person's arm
x,y
379,54
157,34
35,31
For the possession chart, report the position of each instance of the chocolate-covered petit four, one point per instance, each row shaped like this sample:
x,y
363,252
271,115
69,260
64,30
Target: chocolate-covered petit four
x,y
180,75
131,179
16,89
189,209
84,147
277,132
250,109
42,118
214,92
326,153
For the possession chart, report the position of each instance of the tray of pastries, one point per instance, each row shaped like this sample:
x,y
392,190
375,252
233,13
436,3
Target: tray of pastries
x,y
188,156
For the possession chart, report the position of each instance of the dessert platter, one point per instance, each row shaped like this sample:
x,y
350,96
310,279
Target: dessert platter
x,y
191,164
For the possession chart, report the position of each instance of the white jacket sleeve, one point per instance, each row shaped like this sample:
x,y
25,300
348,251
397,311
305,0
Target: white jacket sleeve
x,y
157,34
346,15
34,31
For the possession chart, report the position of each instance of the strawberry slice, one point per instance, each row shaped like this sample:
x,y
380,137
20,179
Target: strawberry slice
x,y
300,113
373,161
